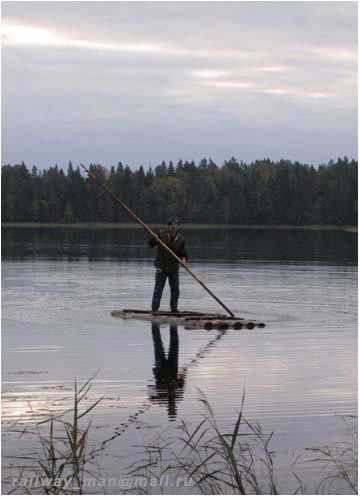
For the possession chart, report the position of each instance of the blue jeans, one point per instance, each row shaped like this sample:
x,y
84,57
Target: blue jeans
x,y
160,280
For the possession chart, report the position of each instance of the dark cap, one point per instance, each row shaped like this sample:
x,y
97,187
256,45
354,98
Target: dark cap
x,y
173,219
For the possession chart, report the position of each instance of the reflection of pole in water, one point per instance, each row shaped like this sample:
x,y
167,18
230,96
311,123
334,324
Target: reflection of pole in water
x,y
169,383
173,360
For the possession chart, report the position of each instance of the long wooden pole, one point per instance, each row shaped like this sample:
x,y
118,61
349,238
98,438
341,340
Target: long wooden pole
x,y
152,233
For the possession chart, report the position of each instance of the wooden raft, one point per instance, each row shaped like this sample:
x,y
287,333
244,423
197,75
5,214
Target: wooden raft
x,y
190,319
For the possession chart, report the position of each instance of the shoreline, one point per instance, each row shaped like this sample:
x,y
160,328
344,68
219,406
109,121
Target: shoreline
x,y
185,226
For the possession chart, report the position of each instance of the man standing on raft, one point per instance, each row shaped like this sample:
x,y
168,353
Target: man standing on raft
x,y
166,265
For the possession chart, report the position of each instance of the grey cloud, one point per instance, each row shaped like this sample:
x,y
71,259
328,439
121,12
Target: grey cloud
x,y
74,102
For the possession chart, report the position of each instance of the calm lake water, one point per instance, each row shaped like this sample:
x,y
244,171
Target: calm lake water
x,y
299,373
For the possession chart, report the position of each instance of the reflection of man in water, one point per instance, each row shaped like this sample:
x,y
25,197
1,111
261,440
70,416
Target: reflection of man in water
x,y
169,383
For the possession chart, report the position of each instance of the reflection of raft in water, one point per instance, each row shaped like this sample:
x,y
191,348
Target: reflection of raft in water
x,y
191,320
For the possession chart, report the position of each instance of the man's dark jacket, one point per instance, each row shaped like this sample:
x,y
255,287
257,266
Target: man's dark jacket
x,y
164,260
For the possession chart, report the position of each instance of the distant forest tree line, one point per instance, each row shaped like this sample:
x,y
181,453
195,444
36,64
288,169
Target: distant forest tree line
x,y
262,192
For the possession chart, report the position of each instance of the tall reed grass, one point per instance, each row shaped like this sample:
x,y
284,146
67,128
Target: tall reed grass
x,y
63,460
204,459
238,462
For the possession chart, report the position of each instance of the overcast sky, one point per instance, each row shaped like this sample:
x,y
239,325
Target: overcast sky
x,y
145,81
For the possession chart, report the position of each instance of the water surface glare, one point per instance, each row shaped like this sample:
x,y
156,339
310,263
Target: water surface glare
x,y
299,372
